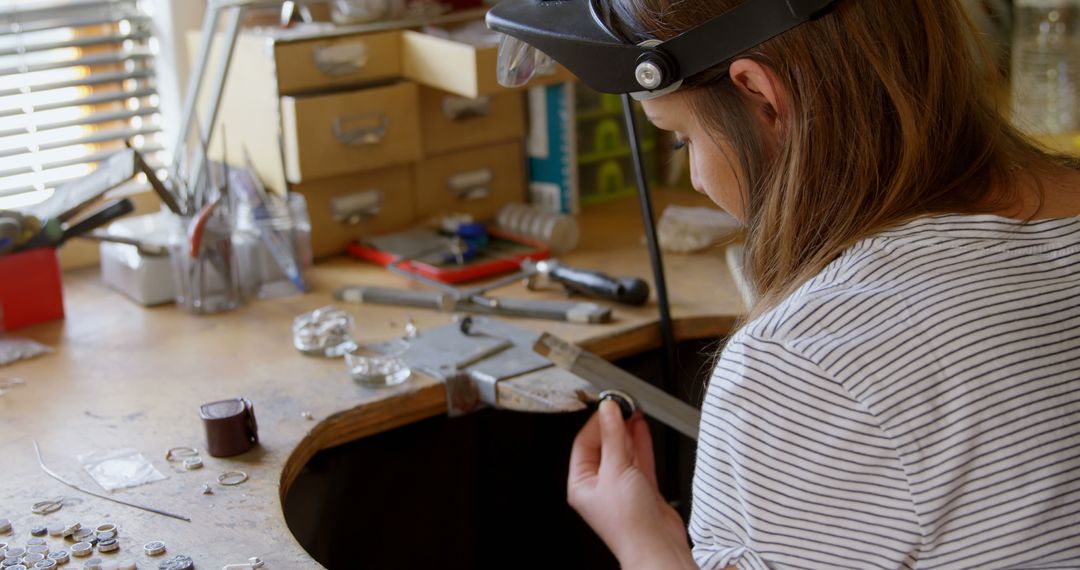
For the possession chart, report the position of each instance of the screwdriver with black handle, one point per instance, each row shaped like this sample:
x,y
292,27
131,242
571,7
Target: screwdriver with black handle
x,y
625,290
98,218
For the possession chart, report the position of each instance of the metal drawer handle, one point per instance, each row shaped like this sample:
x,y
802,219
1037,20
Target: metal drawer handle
x,y
472,185
341,59
464,108
362,129
353,209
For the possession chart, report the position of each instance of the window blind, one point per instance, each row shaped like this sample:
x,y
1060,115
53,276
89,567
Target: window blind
x,y
76,83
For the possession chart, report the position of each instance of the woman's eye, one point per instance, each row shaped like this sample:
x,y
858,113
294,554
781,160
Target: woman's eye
x,y
679,144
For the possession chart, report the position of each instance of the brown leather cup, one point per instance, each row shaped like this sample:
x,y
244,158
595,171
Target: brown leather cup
x,y
230,426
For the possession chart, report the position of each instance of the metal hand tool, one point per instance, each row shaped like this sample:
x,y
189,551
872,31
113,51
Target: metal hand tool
x,y
454,302
97,219
73,197
10,228
143,247
449,298
666,408
471,358
625,290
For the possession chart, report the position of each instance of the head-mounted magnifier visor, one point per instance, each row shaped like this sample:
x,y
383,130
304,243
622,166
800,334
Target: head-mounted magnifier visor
x,y
579,35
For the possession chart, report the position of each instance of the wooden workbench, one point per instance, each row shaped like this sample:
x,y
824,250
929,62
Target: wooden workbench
x,y
123,376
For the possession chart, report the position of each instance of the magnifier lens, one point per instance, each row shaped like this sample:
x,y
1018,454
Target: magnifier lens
x,y
517,62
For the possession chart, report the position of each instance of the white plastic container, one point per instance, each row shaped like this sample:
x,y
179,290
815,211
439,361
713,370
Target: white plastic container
x,y
559,231
269,239
146,279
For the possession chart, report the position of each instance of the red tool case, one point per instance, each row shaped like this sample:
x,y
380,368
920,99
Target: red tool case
x,y
30,288
505,257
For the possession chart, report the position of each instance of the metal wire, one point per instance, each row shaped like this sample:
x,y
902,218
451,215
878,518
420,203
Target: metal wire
x,y
52,474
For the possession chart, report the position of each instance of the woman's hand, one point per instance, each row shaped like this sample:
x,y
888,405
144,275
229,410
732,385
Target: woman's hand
x,y
612,485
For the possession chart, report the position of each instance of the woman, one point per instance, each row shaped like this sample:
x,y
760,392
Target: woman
x,y
906,394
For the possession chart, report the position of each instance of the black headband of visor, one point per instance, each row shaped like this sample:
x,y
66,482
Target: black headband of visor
x,y
579,35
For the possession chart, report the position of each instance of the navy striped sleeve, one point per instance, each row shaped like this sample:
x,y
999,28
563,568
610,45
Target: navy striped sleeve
x,y
792,472
915,405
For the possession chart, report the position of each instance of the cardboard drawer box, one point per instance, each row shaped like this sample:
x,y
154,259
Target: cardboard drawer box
x,y
451,122
342,133
358,205
477,181
458,67
323,63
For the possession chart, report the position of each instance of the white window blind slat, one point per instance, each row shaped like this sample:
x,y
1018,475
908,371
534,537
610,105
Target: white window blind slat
x,y
99,137
55,165
96,99
112,58
86,81
77,83
115,39
85,120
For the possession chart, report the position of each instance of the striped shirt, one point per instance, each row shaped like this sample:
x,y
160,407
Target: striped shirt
x,y
915,405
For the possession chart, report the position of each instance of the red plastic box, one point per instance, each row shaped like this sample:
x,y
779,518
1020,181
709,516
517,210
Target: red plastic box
x,y
30,289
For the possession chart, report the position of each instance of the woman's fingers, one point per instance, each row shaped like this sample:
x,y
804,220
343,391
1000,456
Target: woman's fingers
x,y
616,451
643,447
585,455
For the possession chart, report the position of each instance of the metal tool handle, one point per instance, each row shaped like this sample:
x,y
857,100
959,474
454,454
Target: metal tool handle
x,y
352,209
471,185
396,297
361,130
97,219
143,247
463,108
626,290
586,313
589,313
341,59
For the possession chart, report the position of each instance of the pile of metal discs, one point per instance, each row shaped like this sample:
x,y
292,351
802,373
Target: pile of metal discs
x,y
97,548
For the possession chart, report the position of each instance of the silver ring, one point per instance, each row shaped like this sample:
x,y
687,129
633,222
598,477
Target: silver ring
x,y
47,507
231,478
6,383
107,527
191,463
155,548
180,453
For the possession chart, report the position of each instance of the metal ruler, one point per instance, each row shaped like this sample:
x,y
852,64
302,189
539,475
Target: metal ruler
x,y
666,408
479,304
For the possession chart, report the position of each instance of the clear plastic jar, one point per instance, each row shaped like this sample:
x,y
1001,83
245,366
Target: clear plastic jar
x,y
1046,66
273,239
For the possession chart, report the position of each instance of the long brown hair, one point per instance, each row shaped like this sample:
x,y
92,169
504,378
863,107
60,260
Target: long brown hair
x,y
888,120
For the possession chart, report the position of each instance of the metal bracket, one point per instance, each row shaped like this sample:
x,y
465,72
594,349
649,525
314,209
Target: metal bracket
x,y
463,108
472,365
352,209
341,59
361,130
471,185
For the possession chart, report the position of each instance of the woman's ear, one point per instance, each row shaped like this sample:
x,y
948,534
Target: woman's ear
x,y
760,85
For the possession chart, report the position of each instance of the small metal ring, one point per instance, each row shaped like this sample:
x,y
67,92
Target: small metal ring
x,y
192,463
180,452
47,507
627,404
231,478
105,527
11,382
